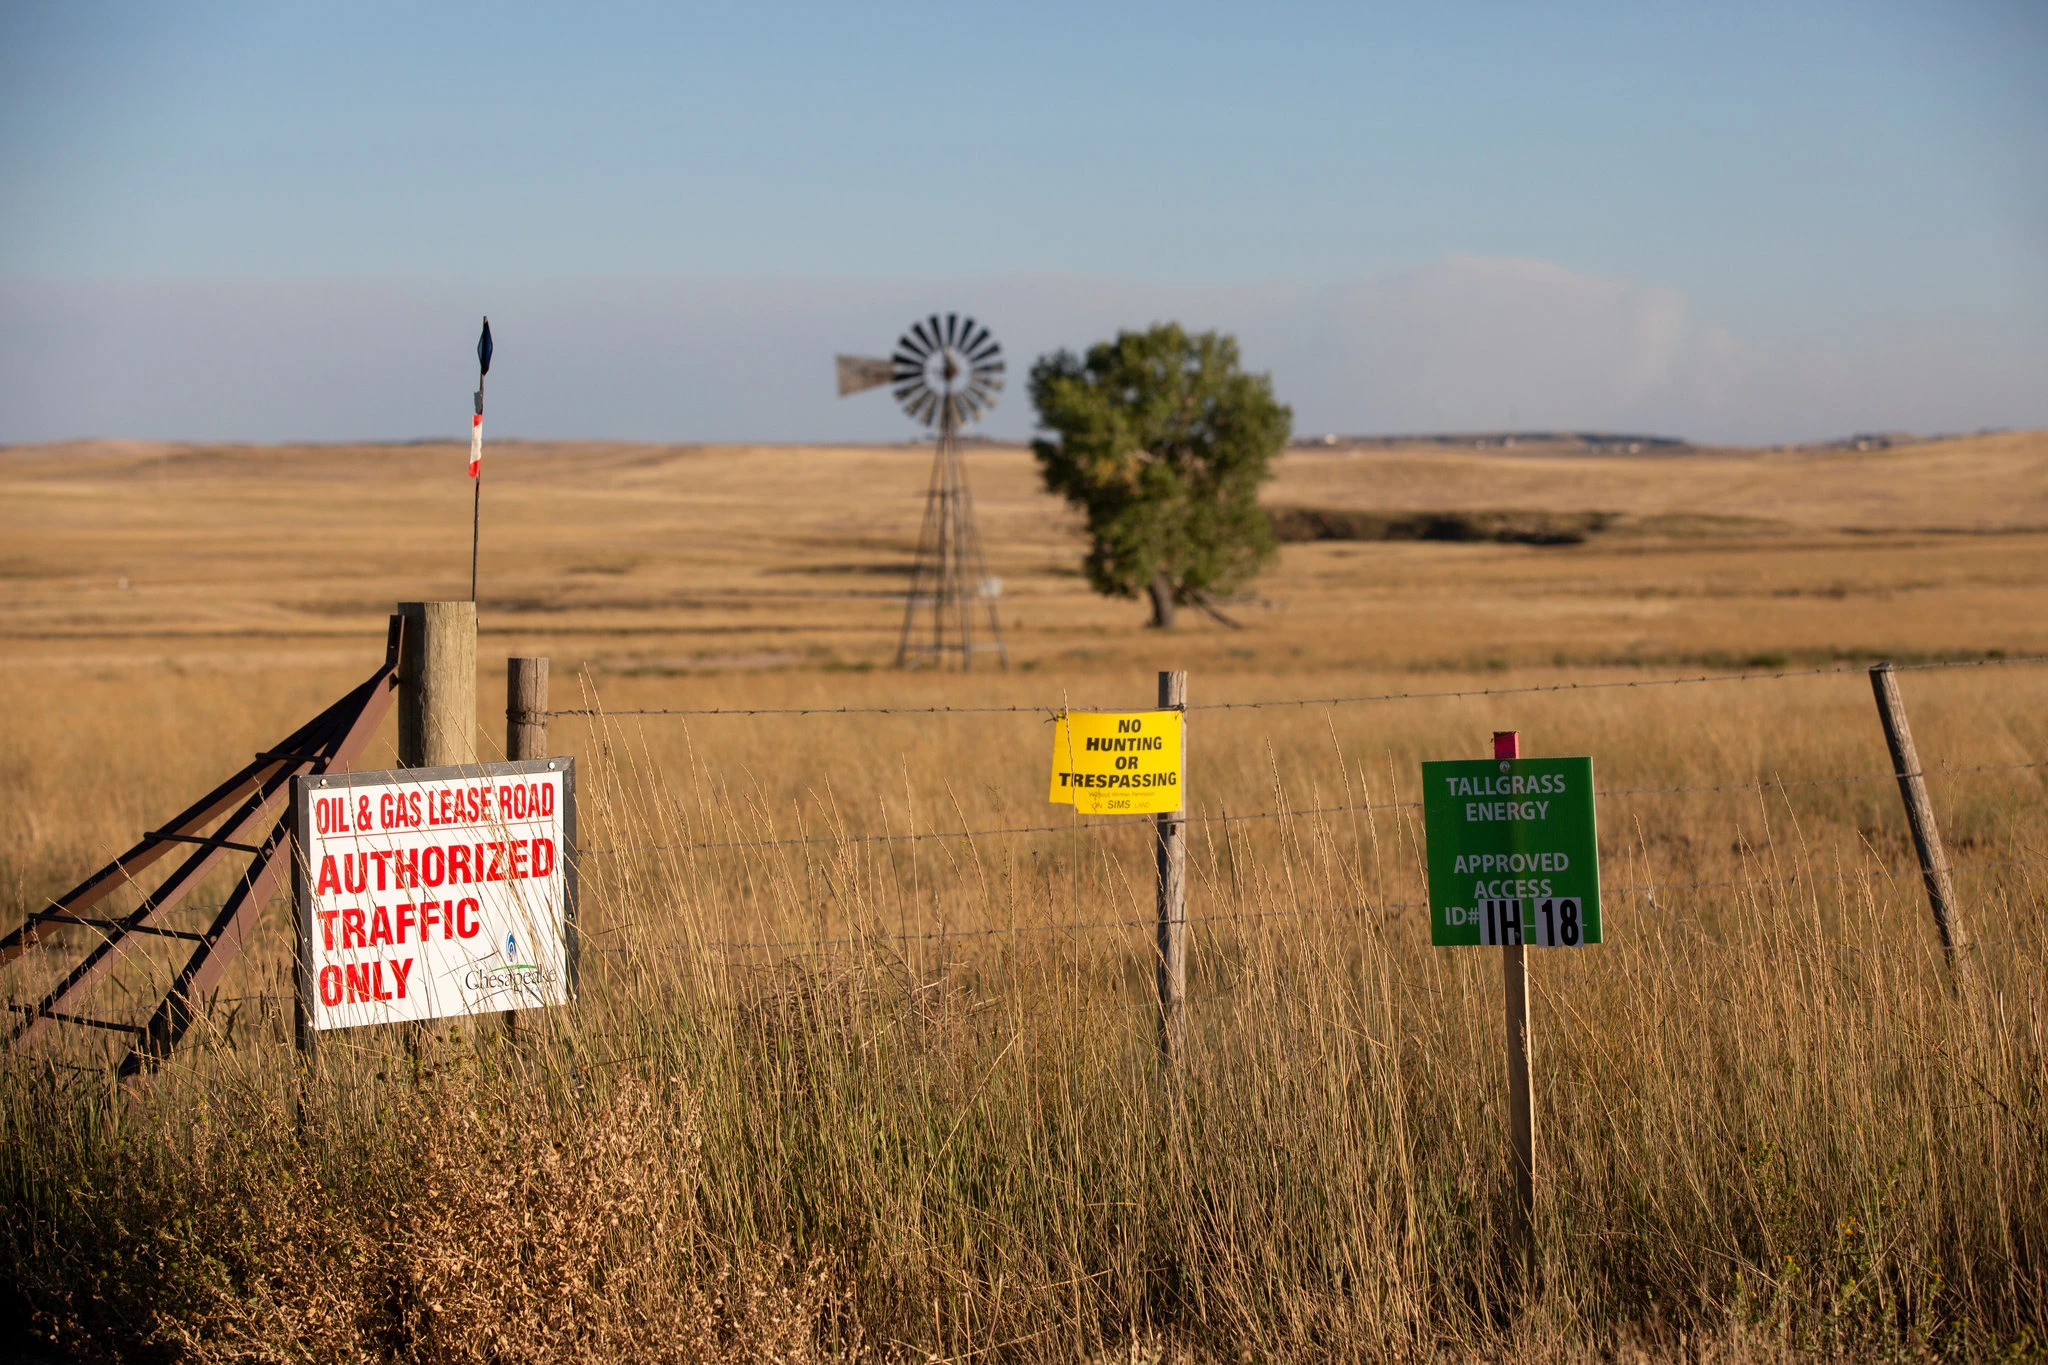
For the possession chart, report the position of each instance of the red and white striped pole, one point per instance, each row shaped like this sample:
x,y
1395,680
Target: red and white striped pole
x,y
476,452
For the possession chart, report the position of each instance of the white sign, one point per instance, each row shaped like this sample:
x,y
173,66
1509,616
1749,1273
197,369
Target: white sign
x,y
430,892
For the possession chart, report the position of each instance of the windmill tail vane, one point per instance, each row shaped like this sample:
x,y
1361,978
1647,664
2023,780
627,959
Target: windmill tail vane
x,y
858,373
945,374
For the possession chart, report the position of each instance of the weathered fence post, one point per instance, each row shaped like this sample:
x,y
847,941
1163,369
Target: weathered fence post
x,y
1171,889
526,708
1521,1110
436,704
1941,891
437,685
526,731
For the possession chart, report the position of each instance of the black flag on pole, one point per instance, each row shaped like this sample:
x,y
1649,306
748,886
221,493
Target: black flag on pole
x,y
476,424
476,454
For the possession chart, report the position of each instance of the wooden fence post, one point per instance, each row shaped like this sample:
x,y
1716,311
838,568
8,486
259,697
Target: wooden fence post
x,y
437,684
1941,891
1521,1109
436,705
526,732
526,708
1170,891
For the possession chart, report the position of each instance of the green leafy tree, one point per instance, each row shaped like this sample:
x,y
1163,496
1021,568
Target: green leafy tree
x,y
1162,441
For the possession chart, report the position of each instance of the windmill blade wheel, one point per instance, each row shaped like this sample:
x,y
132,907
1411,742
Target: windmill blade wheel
x,y
945,368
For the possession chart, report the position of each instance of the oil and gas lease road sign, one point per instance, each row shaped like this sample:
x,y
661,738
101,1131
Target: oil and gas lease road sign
x,y
430,892
1513,852
1106,763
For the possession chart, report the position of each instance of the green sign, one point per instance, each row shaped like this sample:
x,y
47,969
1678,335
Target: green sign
x,y
1513,854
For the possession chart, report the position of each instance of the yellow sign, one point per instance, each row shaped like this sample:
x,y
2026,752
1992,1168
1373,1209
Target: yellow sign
x,y
1128,764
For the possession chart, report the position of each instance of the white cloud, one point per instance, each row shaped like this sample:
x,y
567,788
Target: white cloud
x,y
1487,343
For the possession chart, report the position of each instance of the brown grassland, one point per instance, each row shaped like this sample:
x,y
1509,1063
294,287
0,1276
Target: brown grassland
x,y
834,1097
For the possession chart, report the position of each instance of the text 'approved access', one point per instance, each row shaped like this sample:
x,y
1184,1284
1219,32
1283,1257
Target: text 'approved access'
x,y
1513,852
1118,764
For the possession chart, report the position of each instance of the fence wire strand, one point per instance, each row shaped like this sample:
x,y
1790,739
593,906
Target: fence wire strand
x,y
1689,680
1147,822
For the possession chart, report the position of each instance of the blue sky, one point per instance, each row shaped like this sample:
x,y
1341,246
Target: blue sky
x,y
1764,222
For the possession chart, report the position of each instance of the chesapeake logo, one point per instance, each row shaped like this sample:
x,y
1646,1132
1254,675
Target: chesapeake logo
x,y
510,978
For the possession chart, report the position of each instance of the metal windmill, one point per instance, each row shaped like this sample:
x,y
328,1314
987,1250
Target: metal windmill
x,y
946,375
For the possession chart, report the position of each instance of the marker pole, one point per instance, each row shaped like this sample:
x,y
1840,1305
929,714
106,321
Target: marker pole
x,y
476,453
1170,892
476,504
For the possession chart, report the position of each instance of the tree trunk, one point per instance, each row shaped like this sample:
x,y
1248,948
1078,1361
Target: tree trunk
x,y
1161,589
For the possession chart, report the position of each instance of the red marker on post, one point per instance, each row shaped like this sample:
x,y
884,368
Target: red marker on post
x,y
476,451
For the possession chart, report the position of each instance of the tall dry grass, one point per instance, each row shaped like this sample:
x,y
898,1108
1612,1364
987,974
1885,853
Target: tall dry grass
x,y
901,1099
830,1097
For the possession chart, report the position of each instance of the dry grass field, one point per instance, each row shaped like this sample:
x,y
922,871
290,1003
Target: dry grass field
x,y
829,1095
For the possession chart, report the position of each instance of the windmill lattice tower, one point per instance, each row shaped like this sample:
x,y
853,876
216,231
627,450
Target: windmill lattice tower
x,y
946,375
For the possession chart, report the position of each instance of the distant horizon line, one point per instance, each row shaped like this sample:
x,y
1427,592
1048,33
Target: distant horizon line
x,y
1607,441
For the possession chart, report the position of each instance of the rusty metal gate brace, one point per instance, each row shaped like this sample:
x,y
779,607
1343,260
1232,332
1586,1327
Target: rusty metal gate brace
x,y
330,742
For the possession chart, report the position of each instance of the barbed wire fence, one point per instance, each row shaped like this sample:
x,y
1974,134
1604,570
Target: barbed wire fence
x,y
1689,680
1140,823
1646,891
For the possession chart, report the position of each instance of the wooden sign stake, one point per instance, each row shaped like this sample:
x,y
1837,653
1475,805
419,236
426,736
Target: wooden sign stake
x,y
526,733
1521,1112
